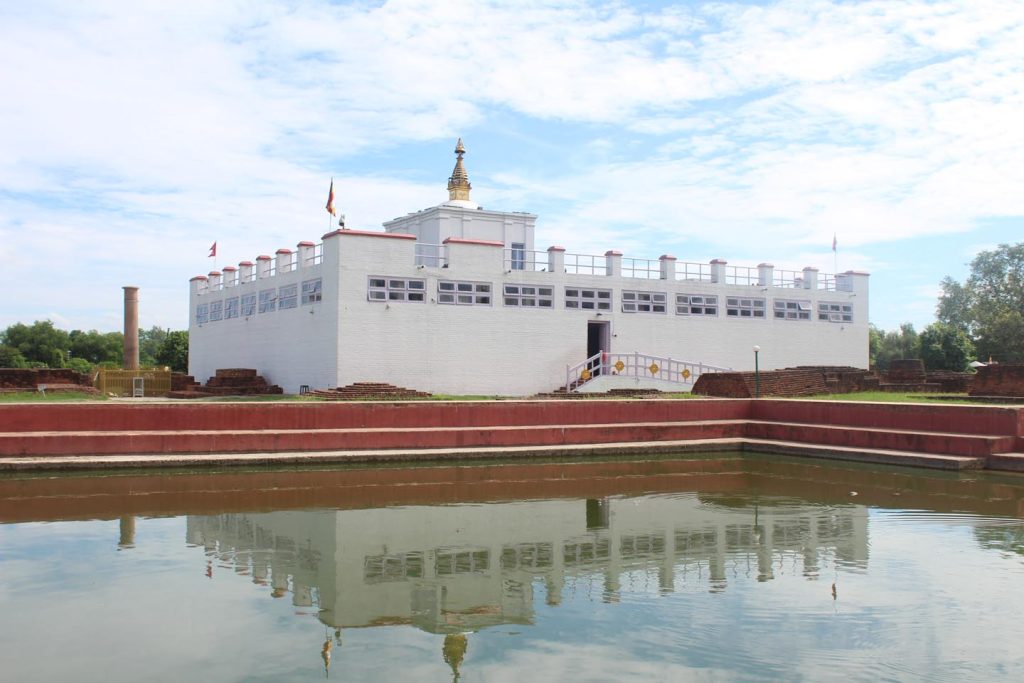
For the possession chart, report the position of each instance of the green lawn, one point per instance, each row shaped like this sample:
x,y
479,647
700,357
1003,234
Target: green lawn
x,y
911,397
48,397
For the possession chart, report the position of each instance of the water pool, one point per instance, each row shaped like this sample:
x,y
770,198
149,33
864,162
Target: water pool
x,y
723,567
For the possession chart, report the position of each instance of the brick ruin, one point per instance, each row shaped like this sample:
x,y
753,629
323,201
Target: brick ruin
x,y
20,379
225,382
999,379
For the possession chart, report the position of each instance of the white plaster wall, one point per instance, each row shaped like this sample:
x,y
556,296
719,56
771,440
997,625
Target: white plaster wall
x,y
288,348
511,351
438,223
495,350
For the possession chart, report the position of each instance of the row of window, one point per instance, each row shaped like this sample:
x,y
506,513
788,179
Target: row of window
x,y
269,300
465,293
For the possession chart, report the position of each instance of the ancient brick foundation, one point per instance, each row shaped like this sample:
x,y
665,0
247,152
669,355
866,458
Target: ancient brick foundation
x,y
228,382
999,380
789,382
17,379
368,391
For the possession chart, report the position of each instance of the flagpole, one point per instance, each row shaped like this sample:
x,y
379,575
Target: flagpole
x,y
330,216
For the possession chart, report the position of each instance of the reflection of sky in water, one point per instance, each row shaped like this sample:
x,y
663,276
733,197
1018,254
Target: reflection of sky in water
x,y
919,596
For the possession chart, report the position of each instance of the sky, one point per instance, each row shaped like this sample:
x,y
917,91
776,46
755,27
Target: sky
x,y
134,135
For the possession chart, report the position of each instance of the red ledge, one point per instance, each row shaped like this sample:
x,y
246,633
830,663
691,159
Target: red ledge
x,y
856,272
613,252
765,265
262,257
667,257
245,264
214,273
556,248
810,268
229,269
719,261
283,251
369,233
198,277
462,240
306,244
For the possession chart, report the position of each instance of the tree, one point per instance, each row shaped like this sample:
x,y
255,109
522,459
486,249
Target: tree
x,y
173,351
885,347
40,344
149,345
10,357
96,347
945,347
989,305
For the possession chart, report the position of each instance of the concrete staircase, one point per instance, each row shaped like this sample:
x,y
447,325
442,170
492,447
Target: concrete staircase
x,y
937,436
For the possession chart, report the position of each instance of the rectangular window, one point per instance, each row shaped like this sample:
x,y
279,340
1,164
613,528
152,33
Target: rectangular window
x,y
216,310
287,297
311,291
203,313
835,312
231,308
464,293
248,305
696,304
396,289
268,301
789,309
588,299
644,302
529,296
736,307
518,256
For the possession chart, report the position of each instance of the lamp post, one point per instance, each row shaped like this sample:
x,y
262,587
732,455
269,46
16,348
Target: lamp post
x,y
757,373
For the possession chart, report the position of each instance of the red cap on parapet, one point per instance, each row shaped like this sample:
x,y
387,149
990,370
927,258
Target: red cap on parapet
x,y
306,244
214,273
262,257
463,240
613,252
666,257
229,269
198,277
243,264
282,250
556,248
368,233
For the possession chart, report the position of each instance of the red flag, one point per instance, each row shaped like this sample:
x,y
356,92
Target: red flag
x,y
833,241
213,250
330,199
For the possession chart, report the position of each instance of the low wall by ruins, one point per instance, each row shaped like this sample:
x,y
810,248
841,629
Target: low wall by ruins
x,y
999,379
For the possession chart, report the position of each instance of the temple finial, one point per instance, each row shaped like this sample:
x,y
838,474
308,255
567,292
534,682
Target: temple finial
x,y
458,183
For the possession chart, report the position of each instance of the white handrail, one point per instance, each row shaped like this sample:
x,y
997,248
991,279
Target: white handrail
x,y
637,364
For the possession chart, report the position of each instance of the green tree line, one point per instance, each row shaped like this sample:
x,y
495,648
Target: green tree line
x,y
43,345
980,318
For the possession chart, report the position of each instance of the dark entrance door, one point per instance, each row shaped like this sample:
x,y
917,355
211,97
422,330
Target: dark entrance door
x,y
598,340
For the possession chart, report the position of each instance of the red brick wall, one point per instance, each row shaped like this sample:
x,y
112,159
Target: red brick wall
x,y
999,380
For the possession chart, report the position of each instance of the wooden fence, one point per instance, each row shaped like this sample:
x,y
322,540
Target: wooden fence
x,y
154,382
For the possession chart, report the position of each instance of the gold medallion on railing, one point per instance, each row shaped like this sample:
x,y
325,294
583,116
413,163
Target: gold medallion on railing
x,y
619,366
685,373
653,367
585,375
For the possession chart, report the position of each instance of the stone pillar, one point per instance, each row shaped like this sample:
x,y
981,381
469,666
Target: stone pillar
x,y
613,261
556,259
245,272
765,274
131,328
263,266
230,276
718,270
284,261
668,267
127,528
810,278
305,258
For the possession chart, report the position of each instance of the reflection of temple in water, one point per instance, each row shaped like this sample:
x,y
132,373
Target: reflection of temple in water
x,y
449,569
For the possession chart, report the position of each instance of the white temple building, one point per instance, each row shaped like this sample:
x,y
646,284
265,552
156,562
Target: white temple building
x,y
457,299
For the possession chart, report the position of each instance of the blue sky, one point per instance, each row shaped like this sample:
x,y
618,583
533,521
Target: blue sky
x,y
134,135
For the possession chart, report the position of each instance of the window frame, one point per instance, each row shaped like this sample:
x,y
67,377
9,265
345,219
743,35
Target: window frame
x,y
741,304
791,309
835,312
601,299
542,296
288,297
643,301
231,307
311,294
687,301
397,289
465,293
267,300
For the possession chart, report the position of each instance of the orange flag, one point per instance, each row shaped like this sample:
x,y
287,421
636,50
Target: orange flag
x,y
330,199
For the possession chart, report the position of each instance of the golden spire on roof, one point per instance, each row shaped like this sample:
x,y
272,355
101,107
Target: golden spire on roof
x,y
458,184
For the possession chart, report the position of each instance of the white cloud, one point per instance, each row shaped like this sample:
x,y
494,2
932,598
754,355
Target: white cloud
x,y
161,127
